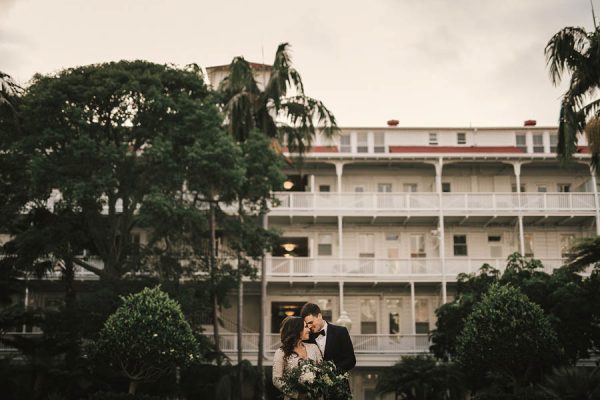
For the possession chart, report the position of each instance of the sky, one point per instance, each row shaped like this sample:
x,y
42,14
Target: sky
x,y
423,62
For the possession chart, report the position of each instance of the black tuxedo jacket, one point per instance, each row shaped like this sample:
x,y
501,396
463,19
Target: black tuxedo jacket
x,y
338,347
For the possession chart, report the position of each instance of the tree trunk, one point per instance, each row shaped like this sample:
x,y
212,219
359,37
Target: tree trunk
x,y
133,386
212,274
261,335
70,303
240,314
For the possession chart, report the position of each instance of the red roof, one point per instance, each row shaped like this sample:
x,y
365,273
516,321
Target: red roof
x,y
455,149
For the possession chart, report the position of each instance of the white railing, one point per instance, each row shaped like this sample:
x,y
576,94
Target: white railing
x,y
396,344
298,267
422,202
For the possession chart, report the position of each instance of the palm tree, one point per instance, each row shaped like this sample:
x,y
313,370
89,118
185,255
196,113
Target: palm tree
x,y
576,52
585,252
280,110
572,383
9,95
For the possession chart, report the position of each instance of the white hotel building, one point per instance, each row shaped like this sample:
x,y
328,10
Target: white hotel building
x,y
383,219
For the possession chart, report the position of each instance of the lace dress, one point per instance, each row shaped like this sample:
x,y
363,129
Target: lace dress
x,y
281,365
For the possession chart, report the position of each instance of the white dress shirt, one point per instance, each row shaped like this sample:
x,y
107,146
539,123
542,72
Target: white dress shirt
x,y
320,339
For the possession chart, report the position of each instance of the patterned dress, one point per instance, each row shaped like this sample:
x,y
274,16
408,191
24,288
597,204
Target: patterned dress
x,y
281,365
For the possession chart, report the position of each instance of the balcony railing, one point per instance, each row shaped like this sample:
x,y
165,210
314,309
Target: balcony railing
x,y
368,344
467,203
382,269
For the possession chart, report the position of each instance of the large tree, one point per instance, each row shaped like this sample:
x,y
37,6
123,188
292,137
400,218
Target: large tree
x,y
575,52
108,137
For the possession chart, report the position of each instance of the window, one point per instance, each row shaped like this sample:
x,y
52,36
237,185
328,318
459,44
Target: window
x,y
563,187
446,187
393,307
460,245
513,188
384,187
521,140
538,143
325,245
345,144
495,243
368,316
553,143
409,187
359,189
379,142
324,188
366,245
422,316
528,238
433,139
461,138
362,142
392,245
566,243
391,236
417,246
542,188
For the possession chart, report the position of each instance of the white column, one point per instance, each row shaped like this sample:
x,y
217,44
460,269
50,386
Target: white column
x,y
442,233
341,297
263,304
312,183
412,308
596,199
340,237
517,169
339,169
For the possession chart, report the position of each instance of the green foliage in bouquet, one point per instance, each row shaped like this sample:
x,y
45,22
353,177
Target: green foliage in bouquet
x,y
317,381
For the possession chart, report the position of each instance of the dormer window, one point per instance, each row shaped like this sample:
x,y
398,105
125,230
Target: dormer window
x,y
461,138
433,139
362,142
538,143
345,144
521,141
379,142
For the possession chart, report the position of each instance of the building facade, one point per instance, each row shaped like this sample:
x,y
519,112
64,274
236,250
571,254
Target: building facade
x,y
380,222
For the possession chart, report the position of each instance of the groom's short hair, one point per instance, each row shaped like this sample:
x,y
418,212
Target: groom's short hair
x,y
310,309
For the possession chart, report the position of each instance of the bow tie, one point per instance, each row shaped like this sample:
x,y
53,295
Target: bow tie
x,y
322,332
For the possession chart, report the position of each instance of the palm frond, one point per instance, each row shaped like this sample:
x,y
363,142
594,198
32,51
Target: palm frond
x,y
584,253
240,115
568,127
564,52
240,78
283,77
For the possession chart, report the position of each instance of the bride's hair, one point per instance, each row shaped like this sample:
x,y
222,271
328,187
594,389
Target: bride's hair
x,y
291,332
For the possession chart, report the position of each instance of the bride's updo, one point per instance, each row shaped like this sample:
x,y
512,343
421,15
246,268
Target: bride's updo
x,y
291,333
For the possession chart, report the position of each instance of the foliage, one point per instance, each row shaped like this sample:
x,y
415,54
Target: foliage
x,y
147,337
571,302
316,381
576,52
572,383
279,110
584,253
109,137
507,335
422,378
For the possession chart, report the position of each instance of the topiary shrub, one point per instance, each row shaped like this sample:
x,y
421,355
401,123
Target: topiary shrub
x,y
147,337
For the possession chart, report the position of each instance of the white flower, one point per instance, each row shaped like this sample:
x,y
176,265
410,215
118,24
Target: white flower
x,y
327,380
307,377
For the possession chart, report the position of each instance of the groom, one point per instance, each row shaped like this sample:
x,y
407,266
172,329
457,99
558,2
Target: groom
x,y
333,341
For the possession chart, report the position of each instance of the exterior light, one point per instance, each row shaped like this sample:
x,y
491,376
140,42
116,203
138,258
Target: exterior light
x,y
289,246
289,313
288,184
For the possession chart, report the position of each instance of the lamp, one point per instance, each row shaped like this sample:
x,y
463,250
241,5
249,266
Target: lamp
x,y
289,247
289,313
288,184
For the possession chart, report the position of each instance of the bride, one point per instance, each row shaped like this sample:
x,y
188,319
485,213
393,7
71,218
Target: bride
x,y
292,350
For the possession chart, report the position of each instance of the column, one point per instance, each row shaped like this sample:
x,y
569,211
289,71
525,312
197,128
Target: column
x,y
341,298
442,233
340,237
596,199
412,308
312,183
339,169
517,169
263,306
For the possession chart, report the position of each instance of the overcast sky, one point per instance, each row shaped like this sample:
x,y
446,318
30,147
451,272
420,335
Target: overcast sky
x,y
423,62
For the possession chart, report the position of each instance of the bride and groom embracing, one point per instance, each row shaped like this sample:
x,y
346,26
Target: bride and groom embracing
x,y
310,337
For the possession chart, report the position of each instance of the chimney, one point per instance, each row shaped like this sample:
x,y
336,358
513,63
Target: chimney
x,y
530,122
393,122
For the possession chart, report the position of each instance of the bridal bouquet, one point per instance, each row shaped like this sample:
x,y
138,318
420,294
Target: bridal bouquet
x,y
317,381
